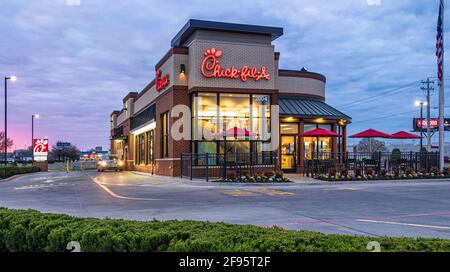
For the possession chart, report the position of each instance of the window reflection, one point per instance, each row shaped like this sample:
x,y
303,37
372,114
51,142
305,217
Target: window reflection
x,y
212,112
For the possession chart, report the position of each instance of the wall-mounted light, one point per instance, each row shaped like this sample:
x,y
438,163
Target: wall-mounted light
x,y
182,69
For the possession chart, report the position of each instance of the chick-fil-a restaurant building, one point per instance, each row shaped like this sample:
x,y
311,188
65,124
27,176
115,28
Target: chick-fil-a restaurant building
x,y
227,75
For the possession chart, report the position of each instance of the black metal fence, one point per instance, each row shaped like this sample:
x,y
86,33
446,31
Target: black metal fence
x,y
324,163
213,166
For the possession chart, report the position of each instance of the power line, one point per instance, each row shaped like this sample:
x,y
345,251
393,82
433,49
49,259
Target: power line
x,y
384,93
384,117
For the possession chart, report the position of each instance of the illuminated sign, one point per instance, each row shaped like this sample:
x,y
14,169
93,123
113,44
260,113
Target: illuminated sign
x,y
161,82
434,124
40,149
210,68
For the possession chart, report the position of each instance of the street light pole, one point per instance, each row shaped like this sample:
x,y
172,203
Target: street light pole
x,y
420,103
32,135
12,78
421,126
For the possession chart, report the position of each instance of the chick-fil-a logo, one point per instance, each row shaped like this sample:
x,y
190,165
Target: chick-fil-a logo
x,y
40,146
211,68
161,82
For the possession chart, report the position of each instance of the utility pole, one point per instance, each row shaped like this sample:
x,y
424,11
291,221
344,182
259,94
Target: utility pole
x,y
427,88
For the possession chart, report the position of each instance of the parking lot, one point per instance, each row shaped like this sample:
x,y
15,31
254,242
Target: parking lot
x,y
381,209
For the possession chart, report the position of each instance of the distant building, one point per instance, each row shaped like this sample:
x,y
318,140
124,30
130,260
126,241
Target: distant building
x,y
96,153
22,155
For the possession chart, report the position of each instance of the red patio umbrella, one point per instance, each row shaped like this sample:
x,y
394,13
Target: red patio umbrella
x,y
404,135
370,133
319,132
235,132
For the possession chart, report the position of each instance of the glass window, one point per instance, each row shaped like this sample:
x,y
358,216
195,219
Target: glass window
x,y
142,148
165,135
150,146
235,111
236,150
289,128
260,119
205,111
206,147
325,126
312,145
309,127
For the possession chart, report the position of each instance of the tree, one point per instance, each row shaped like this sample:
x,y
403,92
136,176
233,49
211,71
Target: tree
x,y
61,153
2,142
376,146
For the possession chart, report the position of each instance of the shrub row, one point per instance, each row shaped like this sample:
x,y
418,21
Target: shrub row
x,y
9,171
33,231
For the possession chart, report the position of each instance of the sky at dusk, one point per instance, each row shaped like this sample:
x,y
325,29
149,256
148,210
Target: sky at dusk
x,y
76,59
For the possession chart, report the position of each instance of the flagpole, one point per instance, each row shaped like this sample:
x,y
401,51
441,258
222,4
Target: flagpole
x,y
441,101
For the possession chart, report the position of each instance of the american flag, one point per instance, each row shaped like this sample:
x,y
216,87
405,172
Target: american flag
x,y
440,41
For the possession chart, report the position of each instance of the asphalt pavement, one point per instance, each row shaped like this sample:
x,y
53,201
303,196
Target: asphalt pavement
x,y
412,209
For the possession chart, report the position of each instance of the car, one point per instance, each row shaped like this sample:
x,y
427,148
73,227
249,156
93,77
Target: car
x,y
110,165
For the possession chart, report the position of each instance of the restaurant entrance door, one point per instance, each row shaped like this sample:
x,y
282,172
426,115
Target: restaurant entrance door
x,y
288,154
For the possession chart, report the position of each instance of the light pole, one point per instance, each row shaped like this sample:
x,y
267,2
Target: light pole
x,y
32,136
12,78
420,103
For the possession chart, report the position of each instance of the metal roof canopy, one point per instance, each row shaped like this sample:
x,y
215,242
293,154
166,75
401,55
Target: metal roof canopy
x,y
192,25
309,108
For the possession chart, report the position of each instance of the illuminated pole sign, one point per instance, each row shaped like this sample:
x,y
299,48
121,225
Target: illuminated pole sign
x,y
421,124
40,149
161,82
210,68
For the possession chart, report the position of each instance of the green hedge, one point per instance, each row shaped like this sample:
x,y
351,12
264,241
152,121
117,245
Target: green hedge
x,y
9,171
34,231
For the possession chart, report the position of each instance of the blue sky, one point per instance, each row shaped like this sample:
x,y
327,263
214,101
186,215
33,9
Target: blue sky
x,y
76,62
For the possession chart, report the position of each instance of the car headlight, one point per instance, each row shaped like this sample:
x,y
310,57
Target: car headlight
x,y
103,164
120,163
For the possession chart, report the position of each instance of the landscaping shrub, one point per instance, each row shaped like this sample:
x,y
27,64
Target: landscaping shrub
x,y
434,170
34,231
331,172
409,171
446,171
231,175
344,172
9,171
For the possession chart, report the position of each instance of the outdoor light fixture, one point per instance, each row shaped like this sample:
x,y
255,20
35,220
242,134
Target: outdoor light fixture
x,y
319,120
342,122
419,102
182,69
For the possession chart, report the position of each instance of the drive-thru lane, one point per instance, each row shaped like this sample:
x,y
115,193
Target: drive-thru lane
x,y
381,209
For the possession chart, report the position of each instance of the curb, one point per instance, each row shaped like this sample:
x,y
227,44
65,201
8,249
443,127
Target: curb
x,y
14,177
204,183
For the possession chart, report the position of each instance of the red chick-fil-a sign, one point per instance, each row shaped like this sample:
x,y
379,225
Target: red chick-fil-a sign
x,y
211,68
40,149
161,82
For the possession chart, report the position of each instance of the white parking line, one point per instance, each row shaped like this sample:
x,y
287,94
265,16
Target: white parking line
x,y
111,193
404,224
41,186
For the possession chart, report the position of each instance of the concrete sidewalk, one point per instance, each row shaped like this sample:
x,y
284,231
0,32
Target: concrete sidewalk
x,y
297,180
